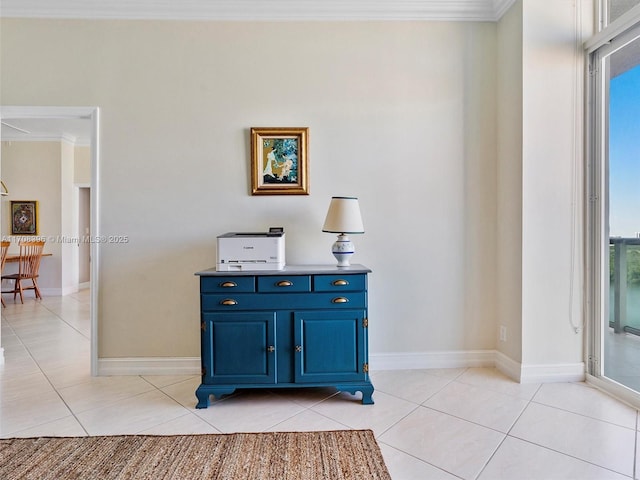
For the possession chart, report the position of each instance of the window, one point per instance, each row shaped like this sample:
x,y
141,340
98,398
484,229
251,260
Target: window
x,y
617,8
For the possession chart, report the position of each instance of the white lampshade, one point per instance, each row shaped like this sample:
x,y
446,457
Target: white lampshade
x,y
343,216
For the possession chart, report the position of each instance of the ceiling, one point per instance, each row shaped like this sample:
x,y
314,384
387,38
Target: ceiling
x,y
73,130
472,10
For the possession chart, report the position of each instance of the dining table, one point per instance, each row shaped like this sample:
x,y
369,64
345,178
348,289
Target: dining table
x,y
14,257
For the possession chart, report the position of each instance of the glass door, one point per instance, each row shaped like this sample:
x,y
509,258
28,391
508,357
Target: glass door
x,y
622,338
613,222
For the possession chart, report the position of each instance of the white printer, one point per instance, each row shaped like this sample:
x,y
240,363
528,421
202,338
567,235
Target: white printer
x,y
251,251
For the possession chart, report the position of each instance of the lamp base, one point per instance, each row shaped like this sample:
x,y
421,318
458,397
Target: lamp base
x,y
342,249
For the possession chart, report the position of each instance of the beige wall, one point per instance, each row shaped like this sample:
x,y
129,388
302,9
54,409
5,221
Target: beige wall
x,y
540,199
45,171
82,166
552,197
32,171
421,120
396,116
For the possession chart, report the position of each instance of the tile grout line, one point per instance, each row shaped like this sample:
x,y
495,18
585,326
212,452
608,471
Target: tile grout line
x,y
634,428
532,401
187,411
508,432
55,389
67,323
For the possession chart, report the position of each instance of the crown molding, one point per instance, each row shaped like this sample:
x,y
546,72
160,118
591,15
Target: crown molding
x,y
75,141
259,10
500,7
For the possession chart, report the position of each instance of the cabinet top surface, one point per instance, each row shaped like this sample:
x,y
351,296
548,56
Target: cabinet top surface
x,y
290,270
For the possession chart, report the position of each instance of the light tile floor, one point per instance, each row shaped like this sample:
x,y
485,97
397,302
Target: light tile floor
x,y
467,423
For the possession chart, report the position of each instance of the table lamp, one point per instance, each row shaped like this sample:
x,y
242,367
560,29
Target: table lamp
x,y
343,218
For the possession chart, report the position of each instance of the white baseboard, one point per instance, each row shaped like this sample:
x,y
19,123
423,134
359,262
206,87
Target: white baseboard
x,y
47,292
450,359
57,292
509,367
573,372
561,372
70,290
149,366
570,372
31,294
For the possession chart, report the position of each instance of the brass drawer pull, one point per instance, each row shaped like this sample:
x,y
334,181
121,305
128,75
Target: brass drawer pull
x,y
228,284
298,348
340,283
284,283
228,301
271,349
340,300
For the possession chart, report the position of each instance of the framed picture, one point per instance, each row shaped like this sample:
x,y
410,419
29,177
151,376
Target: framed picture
x,y
279,163
24,217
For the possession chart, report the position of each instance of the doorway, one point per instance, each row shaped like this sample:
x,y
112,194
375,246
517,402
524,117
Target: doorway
x,y
90,115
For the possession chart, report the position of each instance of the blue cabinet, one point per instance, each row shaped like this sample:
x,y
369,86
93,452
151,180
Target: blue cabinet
x,y
304,326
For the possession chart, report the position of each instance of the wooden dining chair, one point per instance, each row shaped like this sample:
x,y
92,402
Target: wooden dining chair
x,y
5,250
28,267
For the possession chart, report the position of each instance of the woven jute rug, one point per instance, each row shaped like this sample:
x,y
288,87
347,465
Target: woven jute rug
x,y
334,455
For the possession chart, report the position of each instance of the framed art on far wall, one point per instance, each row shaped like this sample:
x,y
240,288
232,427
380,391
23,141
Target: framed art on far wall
x,y
279,161
24,217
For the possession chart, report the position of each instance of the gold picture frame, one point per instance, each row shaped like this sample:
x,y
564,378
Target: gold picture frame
x,y
279,161
24,217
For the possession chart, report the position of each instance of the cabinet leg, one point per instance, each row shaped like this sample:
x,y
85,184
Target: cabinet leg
x,y
366,389
367,396
204,391
203,398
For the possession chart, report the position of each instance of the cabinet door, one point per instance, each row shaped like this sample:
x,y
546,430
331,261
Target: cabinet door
x,y
330,346
239,348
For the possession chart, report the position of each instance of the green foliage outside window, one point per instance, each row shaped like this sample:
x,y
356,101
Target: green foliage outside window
x,y
633,265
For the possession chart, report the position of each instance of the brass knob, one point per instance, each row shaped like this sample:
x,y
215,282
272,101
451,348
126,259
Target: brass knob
x,y
228,284
284,283
298,348
271,349
340,283
340,300
228,301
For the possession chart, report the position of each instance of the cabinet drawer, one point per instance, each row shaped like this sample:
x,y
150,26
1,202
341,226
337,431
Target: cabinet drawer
x,y
227,284
337,283
284,283
285,301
